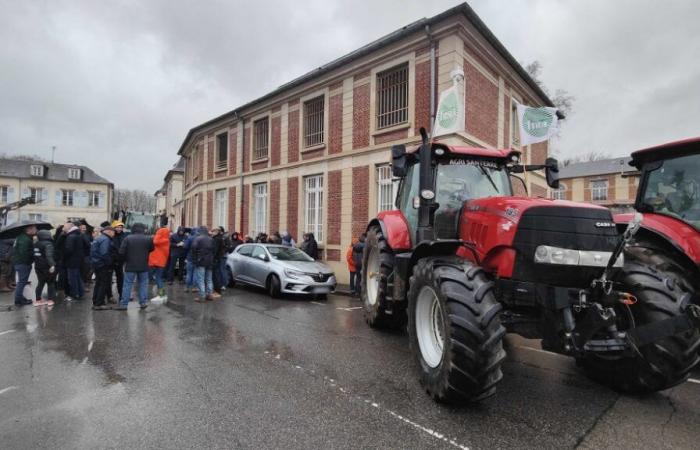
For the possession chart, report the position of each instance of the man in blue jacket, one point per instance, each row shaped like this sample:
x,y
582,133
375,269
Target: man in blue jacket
x,y
101,260
189,278
177,255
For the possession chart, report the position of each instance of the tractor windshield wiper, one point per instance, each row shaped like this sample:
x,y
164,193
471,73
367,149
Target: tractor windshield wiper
x,y
488,176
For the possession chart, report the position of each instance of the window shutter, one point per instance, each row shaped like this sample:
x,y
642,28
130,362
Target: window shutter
x,y
44,195
101,200
58,197
25,192
10,194
82,195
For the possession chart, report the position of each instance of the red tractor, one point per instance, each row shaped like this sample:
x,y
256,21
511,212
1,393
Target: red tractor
x,y
466,262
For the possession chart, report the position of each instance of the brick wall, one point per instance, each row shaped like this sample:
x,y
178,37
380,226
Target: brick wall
x,y
200,205
200,162
482,106
293,206
360,200
335,123
231,226
293,136
274,206
360,117
391,136
245,204
332,255
209,221
422,95
210,160
275,147
633,184
506,123
537,190
246,149
334,206
232,151
588,195
538,153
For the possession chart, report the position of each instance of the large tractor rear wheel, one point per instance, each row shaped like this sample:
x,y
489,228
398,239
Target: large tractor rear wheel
x,y
377,266
455,330
661,294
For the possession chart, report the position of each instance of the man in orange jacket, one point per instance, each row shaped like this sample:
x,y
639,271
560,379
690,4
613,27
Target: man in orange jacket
x,y
158,261
352,269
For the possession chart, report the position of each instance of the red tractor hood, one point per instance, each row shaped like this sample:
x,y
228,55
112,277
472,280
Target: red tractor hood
x,y
678,233
512,207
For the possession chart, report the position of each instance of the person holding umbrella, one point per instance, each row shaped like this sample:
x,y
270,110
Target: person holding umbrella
x,y
23,253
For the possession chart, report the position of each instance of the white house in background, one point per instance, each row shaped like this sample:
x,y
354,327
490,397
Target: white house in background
x,y
170,195
61,191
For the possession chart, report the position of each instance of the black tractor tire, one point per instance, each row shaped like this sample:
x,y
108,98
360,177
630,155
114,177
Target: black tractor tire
x,y
377,311
472,334
661,294
273,286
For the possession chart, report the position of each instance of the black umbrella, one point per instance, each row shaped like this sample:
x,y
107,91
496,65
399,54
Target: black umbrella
x,y
15,229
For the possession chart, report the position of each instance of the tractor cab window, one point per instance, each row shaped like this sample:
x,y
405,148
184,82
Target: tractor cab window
x,y
463,180
673,189
408,190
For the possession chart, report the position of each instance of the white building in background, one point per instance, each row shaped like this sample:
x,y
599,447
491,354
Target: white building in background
x,y
169,196
61,191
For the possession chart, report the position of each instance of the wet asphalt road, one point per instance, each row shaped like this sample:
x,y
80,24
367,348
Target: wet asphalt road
x,y
248,371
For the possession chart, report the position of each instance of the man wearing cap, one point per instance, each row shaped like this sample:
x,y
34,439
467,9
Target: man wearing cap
x,y
101,260
75,250
22,259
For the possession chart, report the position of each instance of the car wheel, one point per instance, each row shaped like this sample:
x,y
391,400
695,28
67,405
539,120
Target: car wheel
x,y
273,286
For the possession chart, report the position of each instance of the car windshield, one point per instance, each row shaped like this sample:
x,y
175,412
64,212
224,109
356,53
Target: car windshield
x,y
465,179
674,189
288,254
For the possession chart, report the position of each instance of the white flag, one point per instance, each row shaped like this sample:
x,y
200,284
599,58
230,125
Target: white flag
x,y
536,124
449,117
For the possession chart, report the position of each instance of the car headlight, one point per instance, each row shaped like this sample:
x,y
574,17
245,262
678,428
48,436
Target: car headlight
x,y
294,273
563,256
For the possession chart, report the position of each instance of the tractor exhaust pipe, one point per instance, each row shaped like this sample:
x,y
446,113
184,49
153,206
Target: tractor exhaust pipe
x,y
427,205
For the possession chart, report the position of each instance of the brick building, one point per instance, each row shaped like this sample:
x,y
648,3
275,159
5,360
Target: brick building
x,y
609,182
313,155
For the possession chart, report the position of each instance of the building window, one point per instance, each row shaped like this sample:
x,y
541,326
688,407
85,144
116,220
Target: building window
x,y
93,199
514,125
75,219
260,208
37,170
260,138
36,194
392,96
67,197
599,190
313,206
559,194
73,173
221,150
220,208
386,188
313,121
34,217
4,194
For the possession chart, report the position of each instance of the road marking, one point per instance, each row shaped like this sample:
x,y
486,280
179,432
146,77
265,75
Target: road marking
x,y
7,389
317,303
5,332
350,309
693,380
379,407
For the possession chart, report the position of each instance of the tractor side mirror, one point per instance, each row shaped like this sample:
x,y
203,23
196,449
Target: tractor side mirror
x,y
551,171
398,161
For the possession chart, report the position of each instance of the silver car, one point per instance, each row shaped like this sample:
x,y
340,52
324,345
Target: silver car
x,y
280,270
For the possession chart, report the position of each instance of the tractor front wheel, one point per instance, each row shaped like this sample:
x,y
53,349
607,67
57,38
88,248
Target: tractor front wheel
x,y
455,331
377,265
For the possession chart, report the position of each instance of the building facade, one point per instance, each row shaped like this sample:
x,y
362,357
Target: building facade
x,y
61,192
169,197
608,182
313,156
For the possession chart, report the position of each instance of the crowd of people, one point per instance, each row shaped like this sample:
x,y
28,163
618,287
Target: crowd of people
x,y
78,257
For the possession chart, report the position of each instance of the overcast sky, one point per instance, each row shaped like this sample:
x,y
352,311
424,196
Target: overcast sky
x,y
117,88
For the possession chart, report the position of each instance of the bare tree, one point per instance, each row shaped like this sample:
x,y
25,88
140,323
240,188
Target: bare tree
x,y
586,157
561,99
136,200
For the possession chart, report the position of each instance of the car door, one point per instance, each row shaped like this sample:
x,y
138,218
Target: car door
x,y
241,263
259,265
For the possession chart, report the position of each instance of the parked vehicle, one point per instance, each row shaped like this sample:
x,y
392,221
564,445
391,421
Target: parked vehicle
x,y
280,270
466,262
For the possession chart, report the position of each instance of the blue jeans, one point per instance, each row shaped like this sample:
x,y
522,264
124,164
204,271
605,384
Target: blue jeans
x,y
75,283
224,272
205,284
129,278
157,276
189,280
23,271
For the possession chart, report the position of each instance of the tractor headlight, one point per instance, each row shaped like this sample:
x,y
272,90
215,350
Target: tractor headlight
x,y
427,194
563,256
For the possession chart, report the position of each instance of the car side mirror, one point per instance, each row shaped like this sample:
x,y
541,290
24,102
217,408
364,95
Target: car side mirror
x,y
398,161
551,172
263,258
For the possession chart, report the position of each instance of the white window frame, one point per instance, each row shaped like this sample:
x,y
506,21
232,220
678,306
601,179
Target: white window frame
x,y
385,182
599,193
221,163
37,170
559,194
220,207
4,194
313,206
35,216
73,173
37,194
411,60
256,151
67,197
260,208
319,121
93,199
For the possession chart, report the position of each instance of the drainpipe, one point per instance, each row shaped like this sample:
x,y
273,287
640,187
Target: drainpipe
x,y
432,78
243,199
